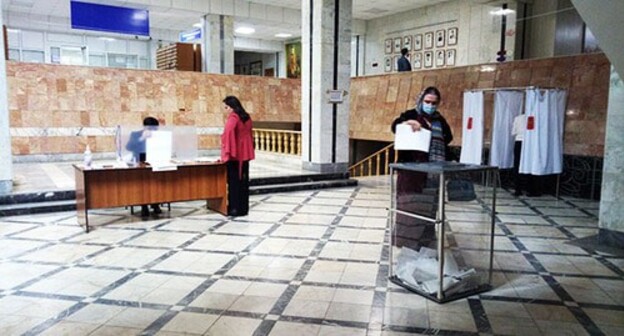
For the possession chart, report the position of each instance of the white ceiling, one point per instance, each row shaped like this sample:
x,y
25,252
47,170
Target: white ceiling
x,y
166,14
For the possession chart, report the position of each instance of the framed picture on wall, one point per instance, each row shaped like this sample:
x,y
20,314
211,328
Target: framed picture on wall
x,y
395,62
428,61
255,68
440,56
451,37
397,44
417,61
418,42
407,42
428,40
450,57
388,63
439,38
388,46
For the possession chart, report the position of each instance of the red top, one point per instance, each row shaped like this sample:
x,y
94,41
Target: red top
x,y
237,140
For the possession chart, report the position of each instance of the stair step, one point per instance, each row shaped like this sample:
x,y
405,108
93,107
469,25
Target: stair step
x,y
296,179
266,189
65,200
36,207
41,196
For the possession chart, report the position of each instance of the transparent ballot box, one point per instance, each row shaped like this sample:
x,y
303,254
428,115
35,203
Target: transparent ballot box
x,y
442,228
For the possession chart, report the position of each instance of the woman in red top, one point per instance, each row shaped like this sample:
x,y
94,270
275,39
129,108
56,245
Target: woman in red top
x,y
237,150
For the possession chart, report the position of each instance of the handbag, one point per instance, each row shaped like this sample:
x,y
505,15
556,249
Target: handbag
x,y
460,190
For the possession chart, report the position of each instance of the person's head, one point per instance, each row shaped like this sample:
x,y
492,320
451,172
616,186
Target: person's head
x,y
429,100
150,123
232,104
404,51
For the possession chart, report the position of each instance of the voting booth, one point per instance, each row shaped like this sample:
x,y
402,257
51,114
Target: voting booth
x,y
442,228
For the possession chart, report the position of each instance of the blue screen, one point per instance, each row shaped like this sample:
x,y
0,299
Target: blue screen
x,y
109,18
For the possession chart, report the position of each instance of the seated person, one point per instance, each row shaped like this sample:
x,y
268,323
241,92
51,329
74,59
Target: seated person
x,y
136,145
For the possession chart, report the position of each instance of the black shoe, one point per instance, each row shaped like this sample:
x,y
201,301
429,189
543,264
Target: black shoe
x,y
144,211
156,209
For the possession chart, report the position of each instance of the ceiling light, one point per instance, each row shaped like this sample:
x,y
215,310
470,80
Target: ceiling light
x,y
283,35
245,30
501,11
197,25
13,30
107,39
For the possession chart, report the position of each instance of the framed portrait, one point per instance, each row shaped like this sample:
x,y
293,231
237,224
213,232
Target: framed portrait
x,y
388,46
418,42
255,68
388,63
428,40
293,60
440,57
451,36
417,61
450,57
395,62
439,38
428,59
398,42
407,42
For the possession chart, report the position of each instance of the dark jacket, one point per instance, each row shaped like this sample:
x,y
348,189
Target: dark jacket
x,y
403,64
424,120
136,146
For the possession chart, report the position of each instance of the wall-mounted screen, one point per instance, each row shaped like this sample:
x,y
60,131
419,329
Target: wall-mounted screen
x,y
106,18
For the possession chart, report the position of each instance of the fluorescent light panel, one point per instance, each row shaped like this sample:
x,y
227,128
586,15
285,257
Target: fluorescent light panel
x,y
283,35
245,30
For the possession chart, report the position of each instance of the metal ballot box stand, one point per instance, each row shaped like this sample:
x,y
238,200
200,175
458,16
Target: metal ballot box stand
x,y
442,228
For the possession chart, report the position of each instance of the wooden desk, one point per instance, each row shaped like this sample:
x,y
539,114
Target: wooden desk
x,y
116,187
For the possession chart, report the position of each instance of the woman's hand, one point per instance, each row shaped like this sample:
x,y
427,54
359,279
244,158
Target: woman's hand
x,y
415,124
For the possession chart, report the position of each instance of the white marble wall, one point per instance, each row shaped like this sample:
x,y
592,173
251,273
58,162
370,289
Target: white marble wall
x,y
6,165
611,210
215,50
478,31
318,131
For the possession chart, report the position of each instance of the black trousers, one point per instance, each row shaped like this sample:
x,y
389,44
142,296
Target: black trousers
x,y
525,182
238,189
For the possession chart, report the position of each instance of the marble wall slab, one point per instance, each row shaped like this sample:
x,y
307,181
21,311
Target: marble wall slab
x,y
377,100
57,109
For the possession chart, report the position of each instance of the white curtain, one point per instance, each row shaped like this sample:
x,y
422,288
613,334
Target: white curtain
x,y
542,148
472,128
507,106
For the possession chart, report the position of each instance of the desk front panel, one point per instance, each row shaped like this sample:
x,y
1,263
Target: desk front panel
x,y
121,187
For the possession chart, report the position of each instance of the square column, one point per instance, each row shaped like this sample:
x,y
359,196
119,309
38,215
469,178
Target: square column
x,y
6,161
218,44
611,221
326,65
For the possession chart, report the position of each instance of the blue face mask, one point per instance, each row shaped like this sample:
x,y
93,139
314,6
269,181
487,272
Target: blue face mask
x,y
428,108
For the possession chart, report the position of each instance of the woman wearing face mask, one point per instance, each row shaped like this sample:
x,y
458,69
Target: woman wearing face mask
x,y
425,115
413,193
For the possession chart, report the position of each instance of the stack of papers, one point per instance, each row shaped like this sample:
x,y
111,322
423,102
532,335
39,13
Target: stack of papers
x,y
420,270
163,166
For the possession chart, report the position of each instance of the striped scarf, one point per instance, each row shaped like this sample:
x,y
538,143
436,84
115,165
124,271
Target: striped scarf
x,y
437,149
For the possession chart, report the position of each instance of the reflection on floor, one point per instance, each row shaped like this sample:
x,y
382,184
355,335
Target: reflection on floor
x,y
303,263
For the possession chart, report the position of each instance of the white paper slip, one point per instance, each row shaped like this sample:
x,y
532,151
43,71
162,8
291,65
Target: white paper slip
x,y
163,166
158,146
406,139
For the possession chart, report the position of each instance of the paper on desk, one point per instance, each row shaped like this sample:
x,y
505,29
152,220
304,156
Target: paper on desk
x,y
406,139
163,166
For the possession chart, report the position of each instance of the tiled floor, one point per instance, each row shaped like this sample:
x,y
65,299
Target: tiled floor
x,y
303,263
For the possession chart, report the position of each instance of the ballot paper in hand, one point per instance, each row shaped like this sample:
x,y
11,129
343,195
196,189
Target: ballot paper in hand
x,y
406,139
